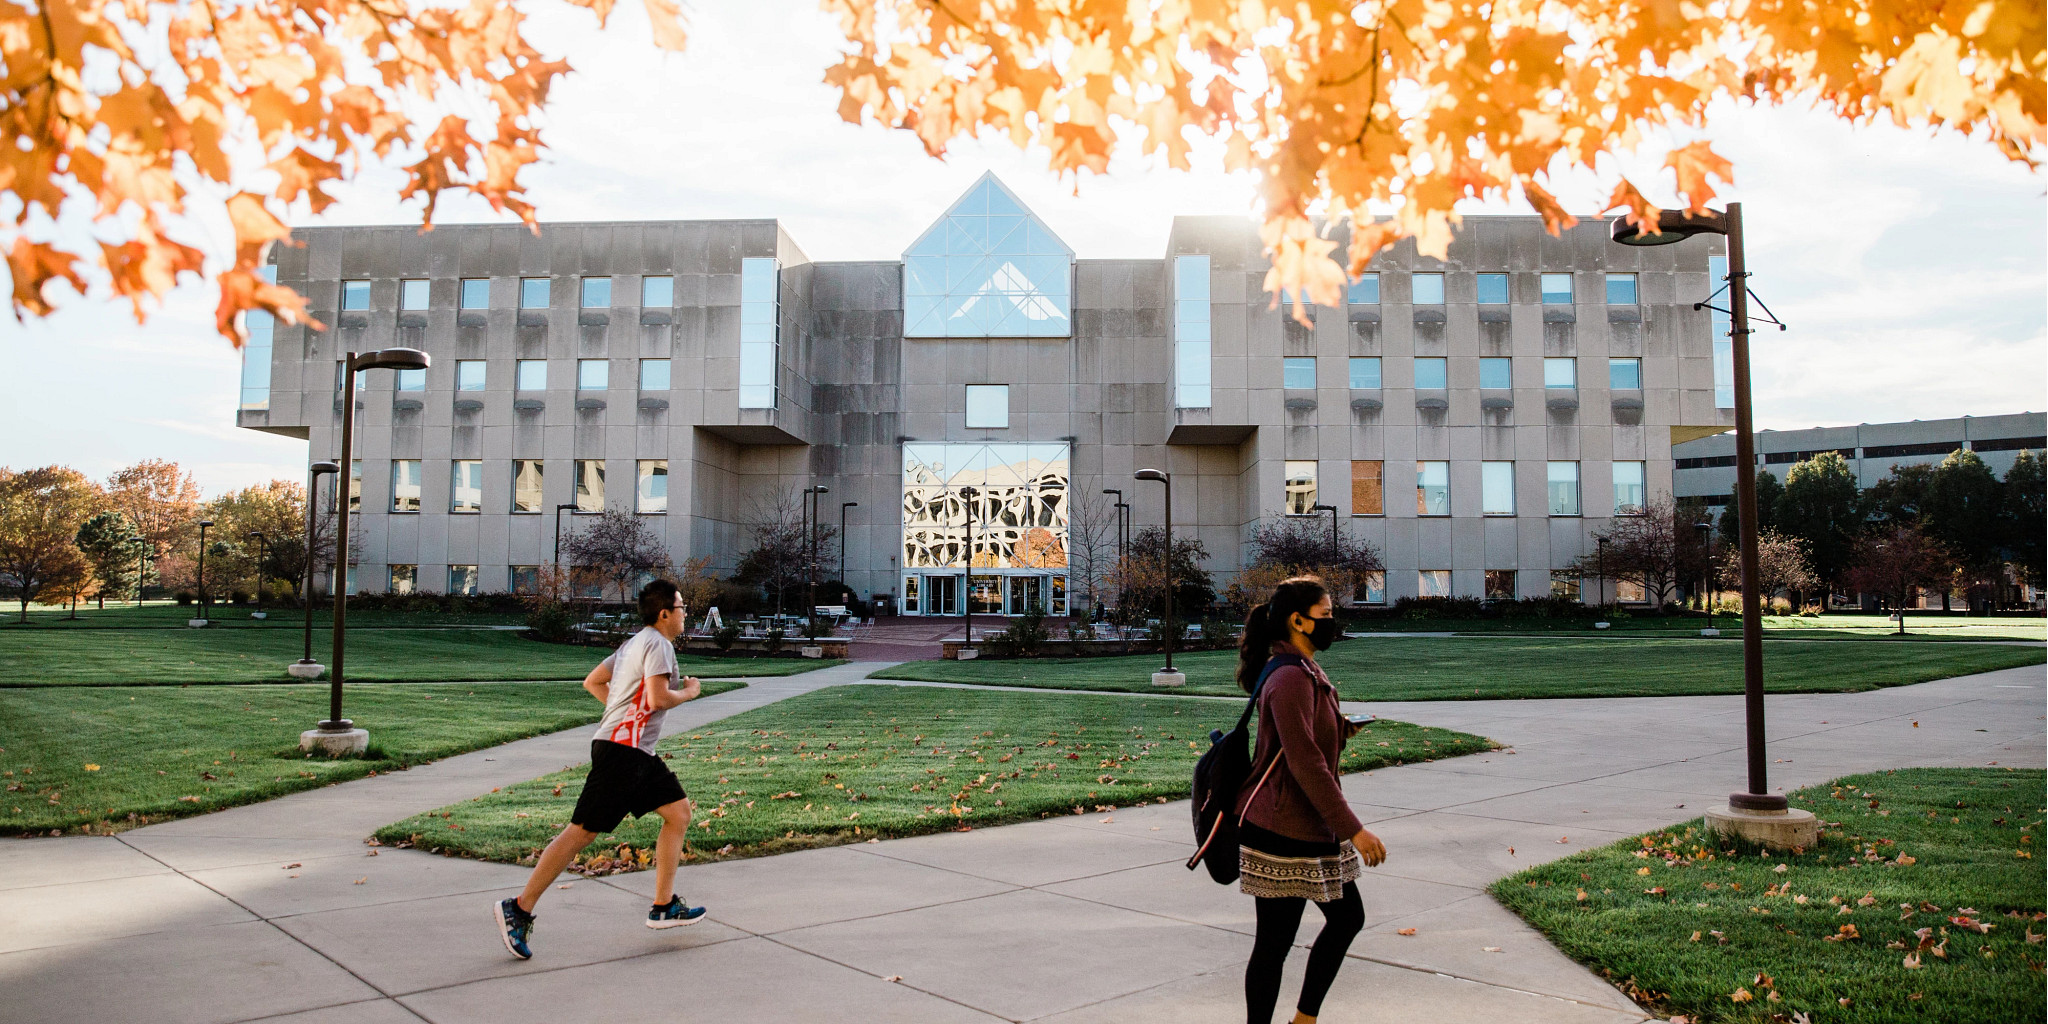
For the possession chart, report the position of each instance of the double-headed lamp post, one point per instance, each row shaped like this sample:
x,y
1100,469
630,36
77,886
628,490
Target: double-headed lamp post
x,y
306,667
1166,676
338,735
1755,813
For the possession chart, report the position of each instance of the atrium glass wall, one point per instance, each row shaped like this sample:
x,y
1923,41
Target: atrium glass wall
x,y
1020,527
988,269
760,337
256,352
1191,332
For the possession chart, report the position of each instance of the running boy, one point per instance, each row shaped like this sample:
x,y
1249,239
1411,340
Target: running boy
x,y
625,775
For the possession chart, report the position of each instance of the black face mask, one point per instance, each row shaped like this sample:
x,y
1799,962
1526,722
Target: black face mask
x,y
1323,634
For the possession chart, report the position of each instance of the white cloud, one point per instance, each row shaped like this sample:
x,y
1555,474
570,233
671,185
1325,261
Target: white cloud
x,y
1910,267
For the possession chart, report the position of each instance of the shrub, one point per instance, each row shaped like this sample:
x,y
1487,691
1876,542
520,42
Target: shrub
x,y
186,597
551,621
726,637
772,643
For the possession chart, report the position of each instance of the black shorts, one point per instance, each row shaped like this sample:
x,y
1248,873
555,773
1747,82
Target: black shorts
x,y
623,780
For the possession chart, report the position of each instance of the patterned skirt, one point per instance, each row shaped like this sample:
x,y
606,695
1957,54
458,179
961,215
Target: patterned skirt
x,y
1275,866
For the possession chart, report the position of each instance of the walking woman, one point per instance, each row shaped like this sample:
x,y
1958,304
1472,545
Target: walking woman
x,y
1299,839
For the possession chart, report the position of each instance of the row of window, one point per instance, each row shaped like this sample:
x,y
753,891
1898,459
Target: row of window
x,y
1877,451
1433,488
528,375
534,293
1491,289
1623,374
466,486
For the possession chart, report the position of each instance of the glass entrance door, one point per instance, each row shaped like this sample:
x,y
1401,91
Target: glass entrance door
x,y
941,595
985,595
1025,593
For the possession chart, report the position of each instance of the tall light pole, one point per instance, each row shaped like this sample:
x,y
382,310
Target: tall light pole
x,y
1706,532
338,735
141,565
843,506
1120,508
1332,510
262,547
811,496
1756,813
1603,573
306,667
203,524
967,581
1166,676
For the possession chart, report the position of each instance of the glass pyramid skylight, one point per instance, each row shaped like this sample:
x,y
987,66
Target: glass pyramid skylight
x,y
988,269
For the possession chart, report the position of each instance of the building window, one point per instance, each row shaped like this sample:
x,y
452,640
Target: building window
x,y
597,293
404,578
469,375
760,338
654,375
1561,373
355,485
589,485
525,579
1432,488
1500,584
1191,332
1432,372
1298,373
1621,289
526,481
1373,590
1368,487
1301,486
657,292
1496,372
412,294
1630,592
650,490
1429,289
532,374
1564,488
355,295
462,580
1365,291
988,406
593,374
476,293
466,486
341,377
533,293
405,485
1433,583
1628,489
1365,373
410,380
1497,488
1020,513
988,269
1724,342
1625,374
1493,289
1557,289
1564,584
256,352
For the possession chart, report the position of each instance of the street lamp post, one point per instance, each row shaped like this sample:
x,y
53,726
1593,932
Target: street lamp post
x,y
1706,532
203,618
141,566
1332,510
811,496
338,735
559,509
262,548
1602,595
306,667
1756,813
843,506
1166,676
1121,509
967,649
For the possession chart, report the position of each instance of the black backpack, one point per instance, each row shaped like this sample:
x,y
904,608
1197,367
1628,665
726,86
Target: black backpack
x,y
1219,775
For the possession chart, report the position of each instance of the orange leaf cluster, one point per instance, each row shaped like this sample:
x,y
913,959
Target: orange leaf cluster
x,y
1414,105
141,110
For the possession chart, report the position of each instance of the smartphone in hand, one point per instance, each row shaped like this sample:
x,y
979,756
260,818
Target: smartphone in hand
x,y
1361,720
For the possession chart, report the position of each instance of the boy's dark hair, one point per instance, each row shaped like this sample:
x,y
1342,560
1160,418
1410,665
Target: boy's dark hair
x,y
657,597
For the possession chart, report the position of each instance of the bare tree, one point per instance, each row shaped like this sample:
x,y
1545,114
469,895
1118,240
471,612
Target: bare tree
x,y
778,562
1645,550
617,548
1781,565
1091,547
1284,545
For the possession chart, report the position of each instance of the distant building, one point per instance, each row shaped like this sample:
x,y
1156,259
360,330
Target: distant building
x,y
1705,468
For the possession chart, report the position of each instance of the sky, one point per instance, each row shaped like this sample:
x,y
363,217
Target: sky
x,y
1912,267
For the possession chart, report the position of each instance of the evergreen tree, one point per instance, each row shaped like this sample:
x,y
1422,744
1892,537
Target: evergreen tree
x,y
2024,512
1900,499
1767,492
116,559
1821,507
1963,505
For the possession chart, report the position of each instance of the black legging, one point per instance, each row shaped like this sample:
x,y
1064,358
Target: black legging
x,y
1279,918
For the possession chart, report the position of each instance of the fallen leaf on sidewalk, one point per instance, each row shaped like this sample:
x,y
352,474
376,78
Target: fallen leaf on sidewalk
x,y
1489,949
292,865
1404,931
361,880
893,977
1564,839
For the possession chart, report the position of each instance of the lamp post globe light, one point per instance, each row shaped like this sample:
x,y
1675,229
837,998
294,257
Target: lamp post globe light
x,y
202,619
1166,676
337,735
306,667
1755,813
262,548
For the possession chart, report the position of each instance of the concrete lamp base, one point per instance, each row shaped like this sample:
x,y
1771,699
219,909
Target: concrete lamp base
x,y
305,670
966,654
198,623
1710,632
1788,829
259,615
811,651
1601,625
335,744
1169,678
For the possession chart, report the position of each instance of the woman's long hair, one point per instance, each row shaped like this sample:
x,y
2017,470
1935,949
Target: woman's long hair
x,y
1267,625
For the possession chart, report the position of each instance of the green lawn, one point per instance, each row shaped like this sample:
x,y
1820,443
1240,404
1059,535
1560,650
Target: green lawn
x,y
847,763
1923,902
1428,668
153,657
169,615
102,759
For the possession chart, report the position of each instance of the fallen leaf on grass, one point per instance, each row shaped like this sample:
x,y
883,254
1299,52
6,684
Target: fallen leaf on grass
x,y
1912,961
92,767
1740,995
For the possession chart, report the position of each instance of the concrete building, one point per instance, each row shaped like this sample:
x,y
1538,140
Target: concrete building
x,y
1705,468
1476,418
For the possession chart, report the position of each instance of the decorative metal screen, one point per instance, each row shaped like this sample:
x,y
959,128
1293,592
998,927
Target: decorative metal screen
x,y
1020,506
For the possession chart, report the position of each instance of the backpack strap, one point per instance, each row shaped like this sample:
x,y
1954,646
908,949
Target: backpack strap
x,y
1272,663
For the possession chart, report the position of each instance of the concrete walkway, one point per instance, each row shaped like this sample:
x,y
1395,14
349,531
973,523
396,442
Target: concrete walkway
x,y
278,912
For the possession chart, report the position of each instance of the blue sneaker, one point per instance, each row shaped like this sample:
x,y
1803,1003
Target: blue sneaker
x,y
515,926
673,914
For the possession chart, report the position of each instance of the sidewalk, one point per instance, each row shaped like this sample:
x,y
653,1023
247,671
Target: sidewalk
x,y
275,909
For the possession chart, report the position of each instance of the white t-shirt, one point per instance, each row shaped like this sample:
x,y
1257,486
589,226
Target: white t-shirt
x,y
630,717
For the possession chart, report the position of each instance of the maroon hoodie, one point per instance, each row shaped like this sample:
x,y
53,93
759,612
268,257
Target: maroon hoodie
x,y
1301,799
